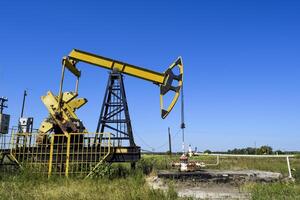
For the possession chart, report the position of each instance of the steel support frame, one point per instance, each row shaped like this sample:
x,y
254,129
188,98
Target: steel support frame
x,y
114,116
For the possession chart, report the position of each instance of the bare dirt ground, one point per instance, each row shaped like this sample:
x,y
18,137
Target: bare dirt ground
x,y
212,188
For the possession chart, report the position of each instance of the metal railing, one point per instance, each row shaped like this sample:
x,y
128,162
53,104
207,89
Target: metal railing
x,y
57,154
251,156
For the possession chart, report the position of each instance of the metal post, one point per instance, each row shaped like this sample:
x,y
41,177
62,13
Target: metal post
x,y
23,104
51,156
170,145
289,167
68,155
76,86
182,119
61,85
2,104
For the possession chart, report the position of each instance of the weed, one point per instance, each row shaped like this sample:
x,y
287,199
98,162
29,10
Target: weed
x,y
274,191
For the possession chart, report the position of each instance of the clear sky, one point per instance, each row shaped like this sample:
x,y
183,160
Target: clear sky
x,y
241,59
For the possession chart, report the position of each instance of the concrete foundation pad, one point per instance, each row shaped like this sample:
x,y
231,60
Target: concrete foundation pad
x,y
222,176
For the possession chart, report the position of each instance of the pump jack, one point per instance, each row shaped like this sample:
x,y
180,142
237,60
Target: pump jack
x,y
114,116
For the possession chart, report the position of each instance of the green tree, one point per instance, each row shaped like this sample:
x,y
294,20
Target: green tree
x,y
265,150
207,151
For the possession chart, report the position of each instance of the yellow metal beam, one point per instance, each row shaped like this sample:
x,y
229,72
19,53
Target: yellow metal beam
x,y
71,67
64,118
68,155
132,70
51,156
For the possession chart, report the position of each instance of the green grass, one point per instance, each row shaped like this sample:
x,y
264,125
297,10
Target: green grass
x,y
284,191
29,186
119,182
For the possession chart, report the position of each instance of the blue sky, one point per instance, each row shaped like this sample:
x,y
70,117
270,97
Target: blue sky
x,y
241,62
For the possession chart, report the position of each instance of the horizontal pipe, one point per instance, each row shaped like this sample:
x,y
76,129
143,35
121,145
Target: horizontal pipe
x,y
245,155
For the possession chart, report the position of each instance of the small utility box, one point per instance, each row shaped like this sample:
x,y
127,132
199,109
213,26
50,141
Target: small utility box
x,y
26,124
4,123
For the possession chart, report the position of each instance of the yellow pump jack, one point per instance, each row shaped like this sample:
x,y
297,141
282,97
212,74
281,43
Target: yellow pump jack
x,y
62,107
63,146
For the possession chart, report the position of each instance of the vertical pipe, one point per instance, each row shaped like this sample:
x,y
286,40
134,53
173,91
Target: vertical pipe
x,y
51,156
170,144
1,105
109,144
61,85
182,119
76,86
289,167
68,154
23,104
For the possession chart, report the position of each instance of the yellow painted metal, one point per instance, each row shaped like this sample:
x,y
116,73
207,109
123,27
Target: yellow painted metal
x,y
68,96
71,67
166,110
77,103
77,154
108,153
97,166
66,113
51,156
164,80
11,155
45,126
68,155
78,55
121,150
27,154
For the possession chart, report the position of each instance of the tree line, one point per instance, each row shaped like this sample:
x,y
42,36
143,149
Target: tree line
x,y
263,150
